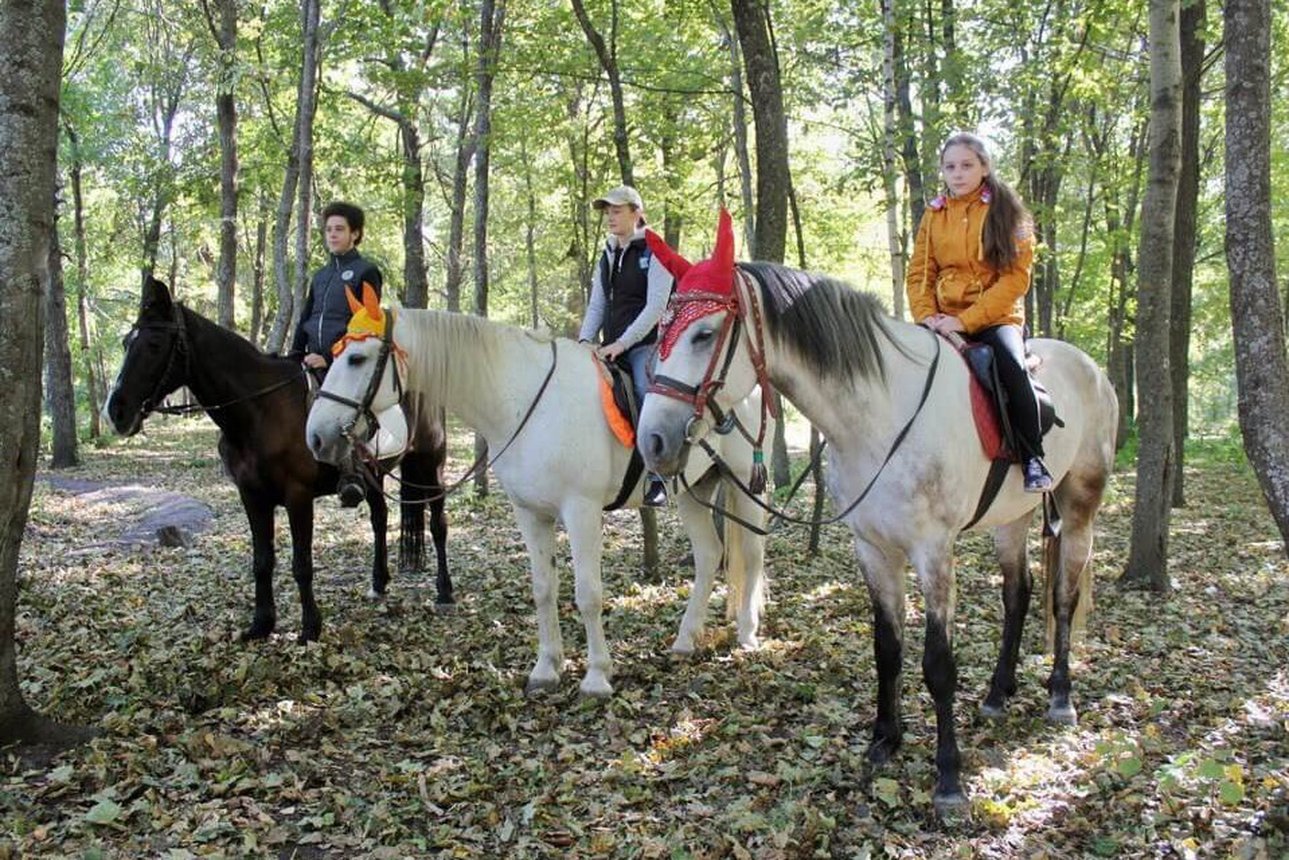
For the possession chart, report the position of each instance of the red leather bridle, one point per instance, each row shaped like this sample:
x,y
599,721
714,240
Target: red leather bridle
x,y
738,304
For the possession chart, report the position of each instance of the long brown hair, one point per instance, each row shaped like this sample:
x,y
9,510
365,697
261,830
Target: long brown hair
x,y
1007,217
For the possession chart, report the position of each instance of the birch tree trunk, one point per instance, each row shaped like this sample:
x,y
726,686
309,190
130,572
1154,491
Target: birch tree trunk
x,y
895,234
1184,237
1257,317
93,379
1148,556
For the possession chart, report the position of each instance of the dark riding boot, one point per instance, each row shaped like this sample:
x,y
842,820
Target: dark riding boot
x,y
351,489
655,495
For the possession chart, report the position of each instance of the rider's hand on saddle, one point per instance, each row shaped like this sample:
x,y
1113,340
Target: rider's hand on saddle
x,y
314,361
612,351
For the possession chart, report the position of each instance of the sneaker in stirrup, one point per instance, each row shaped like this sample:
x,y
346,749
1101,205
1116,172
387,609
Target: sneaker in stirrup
x,y
655,495
1037,478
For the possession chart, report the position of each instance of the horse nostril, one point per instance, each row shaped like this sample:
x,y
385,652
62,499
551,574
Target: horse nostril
x,y
656,444
315,443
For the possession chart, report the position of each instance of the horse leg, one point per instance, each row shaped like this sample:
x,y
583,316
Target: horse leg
x,y
1065,560
259,516
1010,544
378,510
884,575
940,671
586,540
707,557
745,567
539,536
300,514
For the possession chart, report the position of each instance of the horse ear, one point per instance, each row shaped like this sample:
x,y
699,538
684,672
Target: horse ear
x,y
354,307
670,260
372,303
155,292
723,255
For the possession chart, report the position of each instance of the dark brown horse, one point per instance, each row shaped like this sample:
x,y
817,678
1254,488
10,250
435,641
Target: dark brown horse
x,y
260,403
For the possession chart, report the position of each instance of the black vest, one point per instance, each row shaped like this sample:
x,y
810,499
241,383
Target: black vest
x,y
626,289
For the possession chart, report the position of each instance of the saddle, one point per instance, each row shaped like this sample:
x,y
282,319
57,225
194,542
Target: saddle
x,y
993,423
618,401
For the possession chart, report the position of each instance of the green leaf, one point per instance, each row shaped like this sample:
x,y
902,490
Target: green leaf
x,y
887,791
1129,767
106,811
1230,792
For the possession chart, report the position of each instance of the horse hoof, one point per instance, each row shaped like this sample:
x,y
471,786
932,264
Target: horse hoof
x,y
881,750
683,649
1062,715
307,636
596,691
256,632
448,608
992,712
951,804
373,594
537,686
750,643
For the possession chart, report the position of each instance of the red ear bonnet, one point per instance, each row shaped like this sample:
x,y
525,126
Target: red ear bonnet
x,y
701,289
666,255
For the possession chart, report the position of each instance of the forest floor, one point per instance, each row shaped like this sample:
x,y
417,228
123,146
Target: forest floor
x,y
405,733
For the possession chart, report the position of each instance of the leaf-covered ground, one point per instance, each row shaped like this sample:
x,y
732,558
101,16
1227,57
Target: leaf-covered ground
x,y
405,733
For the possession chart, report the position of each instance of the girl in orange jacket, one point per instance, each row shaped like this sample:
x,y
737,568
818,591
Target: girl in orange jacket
x,y
969,274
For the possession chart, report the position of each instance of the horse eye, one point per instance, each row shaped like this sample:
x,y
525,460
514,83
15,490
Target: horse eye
x,y
703,335
357,359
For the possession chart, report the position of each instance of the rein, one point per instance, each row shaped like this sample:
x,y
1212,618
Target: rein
x,y
723,468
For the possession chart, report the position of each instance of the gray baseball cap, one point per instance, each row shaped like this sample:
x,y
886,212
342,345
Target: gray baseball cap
x,y
623,195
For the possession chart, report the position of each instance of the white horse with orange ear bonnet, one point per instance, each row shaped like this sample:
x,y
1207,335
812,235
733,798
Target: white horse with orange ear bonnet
x,y
536,401
893,405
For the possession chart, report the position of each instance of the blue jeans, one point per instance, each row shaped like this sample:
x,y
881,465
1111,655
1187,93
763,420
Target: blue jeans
x,y
638,358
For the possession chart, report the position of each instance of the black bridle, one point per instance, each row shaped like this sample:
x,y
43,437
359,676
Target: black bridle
x,y
179,352
362,408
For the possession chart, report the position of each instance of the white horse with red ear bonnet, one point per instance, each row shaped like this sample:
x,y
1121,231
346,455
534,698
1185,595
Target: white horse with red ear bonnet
x,y
537,402
906,467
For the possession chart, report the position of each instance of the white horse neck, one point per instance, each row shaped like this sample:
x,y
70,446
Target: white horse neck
x,y
483,372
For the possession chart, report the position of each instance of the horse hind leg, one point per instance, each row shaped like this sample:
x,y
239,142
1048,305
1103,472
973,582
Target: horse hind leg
x,y
422,475
1010,544
259,517
1066,565
300,514
378,511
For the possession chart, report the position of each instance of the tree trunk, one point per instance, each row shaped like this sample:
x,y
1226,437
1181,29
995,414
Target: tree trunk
x,y
93,379
895,234
456,222
60,393
1184,237
1148,557
761,62
607,55
909,154
257,276
33,38
311,14
288,309
225,32
741,152
1257,317
492,15
530,236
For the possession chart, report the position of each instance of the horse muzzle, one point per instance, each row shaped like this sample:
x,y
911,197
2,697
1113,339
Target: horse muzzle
x,y
665,445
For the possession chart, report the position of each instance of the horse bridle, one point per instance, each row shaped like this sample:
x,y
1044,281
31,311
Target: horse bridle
x,y
737,304
178,348
362,408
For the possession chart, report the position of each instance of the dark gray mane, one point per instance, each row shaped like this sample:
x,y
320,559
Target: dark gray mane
x,y
831,325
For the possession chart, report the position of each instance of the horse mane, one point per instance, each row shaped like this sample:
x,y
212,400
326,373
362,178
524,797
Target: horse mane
x,y
239,348
833,327
463,351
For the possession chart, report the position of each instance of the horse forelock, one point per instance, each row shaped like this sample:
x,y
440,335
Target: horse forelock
x,y
831,326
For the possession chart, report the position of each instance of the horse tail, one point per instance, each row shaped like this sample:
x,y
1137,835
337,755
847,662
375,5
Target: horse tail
x,y
417,471
735,563
1054,574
